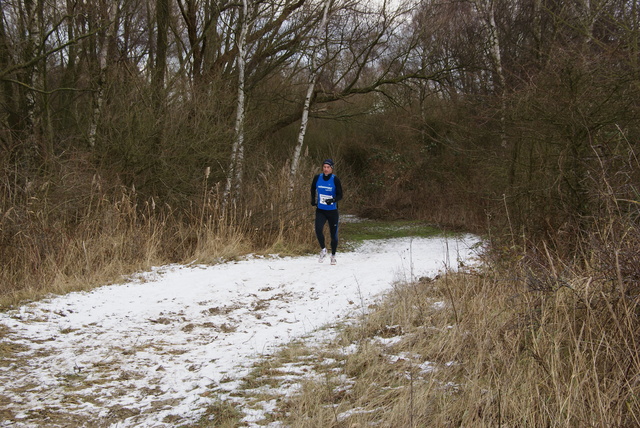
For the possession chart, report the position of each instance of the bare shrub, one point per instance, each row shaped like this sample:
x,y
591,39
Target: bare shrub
x,y
75,229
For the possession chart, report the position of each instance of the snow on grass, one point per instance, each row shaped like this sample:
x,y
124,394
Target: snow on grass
x,y
149,353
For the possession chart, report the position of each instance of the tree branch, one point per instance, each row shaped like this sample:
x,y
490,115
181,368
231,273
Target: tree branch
x,y
41,91
322,97
46,54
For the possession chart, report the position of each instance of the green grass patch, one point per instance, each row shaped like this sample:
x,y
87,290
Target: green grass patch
x,y
356,231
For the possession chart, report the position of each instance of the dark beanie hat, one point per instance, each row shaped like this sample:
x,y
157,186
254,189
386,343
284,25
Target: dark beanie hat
x,y
328,162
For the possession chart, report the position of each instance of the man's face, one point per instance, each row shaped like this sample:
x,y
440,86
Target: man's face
x,y
326,169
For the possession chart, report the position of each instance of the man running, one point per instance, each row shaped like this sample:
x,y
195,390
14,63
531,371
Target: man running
x,y
326,191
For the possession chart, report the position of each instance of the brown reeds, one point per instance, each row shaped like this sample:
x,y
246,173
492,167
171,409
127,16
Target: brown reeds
x,y
536,339
77,231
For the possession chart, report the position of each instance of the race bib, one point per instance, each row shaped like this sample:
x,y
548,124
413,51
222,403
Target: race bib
x,y
323,199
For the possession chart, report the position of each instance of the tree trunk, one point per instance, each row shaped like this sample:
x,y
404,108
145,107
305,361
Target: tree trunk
x,y
315,71
537,27
108,16
494,47
236,165
189,10
634,36
162,19
158,87
31,21
7,95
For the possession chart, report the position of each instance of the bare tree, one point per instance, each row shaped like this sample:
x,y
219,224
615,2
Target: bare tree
x,y
8,96
369,49
109,23
236,165
487,10
160,68
314,71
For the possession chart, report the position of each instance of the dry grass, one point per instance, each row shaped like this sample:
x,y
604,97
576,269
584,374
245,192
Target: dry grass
x,y
75,234
8,350
535,342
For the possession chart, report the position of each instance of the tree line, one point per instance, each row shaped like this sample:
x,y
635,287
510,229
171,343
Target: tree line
x,y
81,74
467,113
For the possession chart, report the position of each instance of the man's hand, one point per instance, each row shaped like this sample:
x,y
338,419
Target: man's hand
x,y
329,201
313,203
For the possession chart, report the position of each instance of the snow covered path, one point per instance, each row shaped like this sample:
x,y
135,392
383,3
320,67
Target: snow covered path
x,y
148,352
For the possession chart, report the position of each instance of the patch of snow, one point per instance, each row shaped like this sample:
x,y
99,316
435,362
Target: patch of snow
x,y
163,346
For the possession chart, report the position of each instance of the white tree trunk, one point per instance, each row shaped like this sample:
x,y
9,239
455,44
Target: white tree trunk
x,y
494,43
102,77
313,78
235,172
590,19
487,8
32,43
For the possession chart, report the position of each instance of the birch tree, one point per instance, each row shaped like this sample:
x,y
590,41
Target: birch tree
x,y
487,10
31,29
268,31
313,78
9,116
35,28
108,12
369,50
236,164
160,68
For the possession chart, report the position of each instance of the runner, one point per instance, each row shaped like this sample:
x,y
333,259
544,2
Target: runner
x,y
326,191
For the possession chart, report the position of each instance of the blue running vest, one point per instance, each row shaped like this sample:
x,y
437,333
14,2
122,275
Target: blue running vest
x,y
326,190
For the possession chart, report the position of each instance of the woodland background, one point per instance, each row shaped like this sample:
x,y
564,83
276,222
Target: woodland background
x,y
139,132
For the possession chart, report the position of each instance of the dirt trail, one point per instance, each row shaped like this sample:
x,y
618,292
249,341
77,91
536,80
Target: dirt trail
x,y
150,352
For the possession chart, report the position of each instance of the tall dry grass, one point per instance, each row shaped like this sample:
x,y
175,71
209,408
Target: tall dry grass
x,y
529,339
73,229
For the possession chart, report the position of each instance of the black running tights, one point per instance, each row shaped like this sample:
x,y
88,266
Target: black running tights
x,y
331,216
